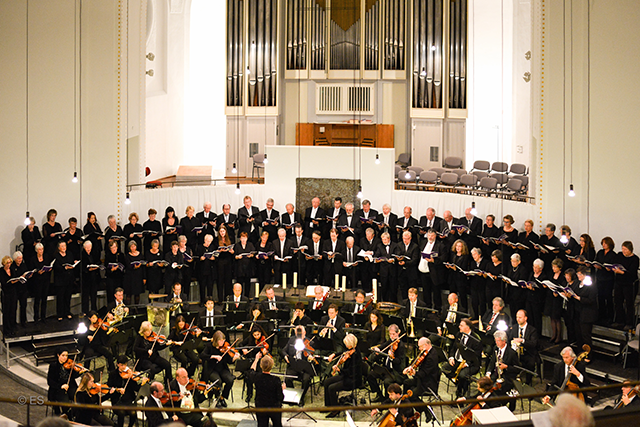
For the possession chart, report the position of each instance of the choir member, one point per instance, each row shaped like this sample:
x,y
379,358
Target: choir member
x,y
299,357
93,233
429,221
314,217
587,307
516,295
133,231
447,232
90,278
349,224
511,236
216,357
368,245
549,239
248,220
134,278
570,312
474,225
30,237
387,221
289,219
478,283
387,269
389,358
187,253
264,262
184,349
85,396
9,297
228,220
94,342
431,270
208,220
488,231
170,229
269,218
224,262
587,249
268,392
494,270
73,237
243,252
333,252
365,213
146,348
282,253
626,275
113,232
173,271
51,233
349,267
39,283
458,281
605,279
536,296
570,247
153,269
19,268
336,214
152,228
349,373
205,267
407,267
114,267
300,247
188,224
64,280
61,387
528,237
553,303
314,262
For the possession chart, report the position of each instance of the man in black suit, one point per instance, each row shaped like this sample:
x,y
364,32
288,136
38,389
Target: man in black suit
x,y
118,301
314,267
179,385
407,267
448,234
625,399
249,220
493,317
470,341
299,245
269,215
237,301
228,219
178,299
350,256
207,319
289,218
157,418
577,372
430,220
368,269
470,237
208,220
426,377
387,269
272,302
333,251
359,306
331,336
349,224
431,271
281,250
311,215
317,306
586,308
386,368
366,212
412,305
336,213
388,221
298,365
406,223
525,337
502,363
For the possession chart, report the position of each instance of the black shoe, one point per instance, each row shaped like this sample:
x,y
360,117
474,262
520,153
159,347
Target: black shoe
x,y
333,414
219,404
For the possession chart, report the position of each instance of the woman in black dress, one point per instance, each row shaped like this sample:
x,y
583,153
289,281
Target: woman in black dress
x,y
93,233
133,231
61,387
19,267
536,296
173,271
90,278
587,248
83,395
512,236
458,282
624,287
188,223
554,302
114,268
73,236
376,332
9,297
185,351
30,236
169,229
224,263
516,295
152,228
605,279
39,283
154,267
205,267
242,252
264,262
133,272
50,238
63,279
494,269
113,232
189,262
489,230
478,284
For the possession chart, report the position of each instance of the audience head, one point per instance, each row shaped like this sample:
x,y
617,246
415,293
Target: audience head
x,y
570,411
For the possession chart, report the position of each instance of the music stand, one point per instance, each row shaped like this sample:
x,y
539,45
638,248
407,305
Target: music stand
x,y
292,396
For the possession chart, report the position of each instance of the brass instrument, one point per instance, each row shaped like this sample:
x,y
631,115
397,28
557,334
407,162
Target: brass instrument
x,y
412,333
119,312
517,347
175,305
461,366
498,363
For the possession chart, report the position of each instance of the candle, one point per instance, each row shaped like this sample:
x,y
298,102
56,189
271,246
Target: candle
x,y
375,290
337,281
257,289
284,280
295,279
344,283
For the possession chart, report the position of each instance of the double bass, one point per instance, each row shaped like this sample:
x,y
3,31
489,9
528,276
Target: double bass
x,y
466,418
568,384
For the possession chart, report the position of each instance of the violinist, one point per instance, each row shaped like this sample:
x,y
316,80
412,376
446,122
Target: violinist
x,y
189,397
94,342
89,393
184,352
146,348
389,360
394,391
424,372
298,353
61,387
123,390
346,373
467,340
567,368
216,357
253,344
157,418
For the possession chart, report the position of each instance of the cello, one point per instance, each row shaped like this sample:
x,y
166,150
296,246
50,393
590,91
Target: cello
x,y
568,384
389,419
466,418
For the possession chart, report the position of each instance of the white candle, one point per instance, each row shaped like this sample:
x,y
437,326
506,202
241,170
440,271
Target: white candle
x,y
375,290
337,281
344,283
284,280
257,289
295,279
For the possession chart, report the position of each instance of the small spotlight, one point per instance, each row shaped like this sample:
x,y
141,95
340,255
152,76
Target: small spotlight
x,y
151,56
408,174
75,177
377,159
150,73
233,169
238,188
360,196
564,239
502,326
587,281
423,73
571,192
82,328
265,161
127,200
27,220
474,211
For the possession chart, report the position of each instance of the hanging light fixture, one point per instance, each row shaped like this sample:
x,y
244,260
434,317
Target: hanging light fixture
x,y
75,177
27,220
571,192
233,169
127,200
265,161
238,188
377,159
407,175
474,211
564,239
360,195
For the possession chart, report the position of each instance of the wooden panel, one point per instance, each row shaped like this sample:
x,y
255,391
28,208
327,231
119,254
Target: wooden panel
x,y
344,134
385,136
304,133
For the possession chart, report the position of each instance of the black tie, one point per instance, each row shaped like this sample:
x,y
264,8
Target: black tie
x,y
520,334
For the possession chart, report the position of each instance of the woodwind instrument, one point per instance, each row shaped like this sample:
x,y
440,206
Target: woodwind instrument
x,y
461,366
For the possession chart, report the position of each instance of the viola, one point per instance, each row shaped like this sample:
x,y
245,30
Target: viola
x,y
104,325
71,364
173,397
417,362
394,348
345,356
99,389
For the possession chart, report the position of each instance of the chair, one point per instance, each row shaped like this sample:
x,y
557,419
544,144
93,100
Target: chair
x,y
428,178
404,159
513,187
458,172
488,185
499,167
468,182
633,343
398,168
417,169
406,177
447,181
453,162
501,178
525,183
481,165
258,163
439,171
518,169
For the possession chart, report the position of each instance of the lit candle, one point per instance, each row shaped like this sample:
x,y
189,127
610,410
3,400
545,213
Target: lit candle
x,y
337,281
295,279
375,290
257,289
284,280
344,283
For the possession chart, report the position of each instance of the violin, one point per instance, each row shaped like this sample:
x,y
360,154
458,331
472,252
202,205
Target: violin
x,y
345,356
104,325
130,374
228,348
71,364
466,418
202,386
262,342
160,339
393,349
417,362
173,397
99,389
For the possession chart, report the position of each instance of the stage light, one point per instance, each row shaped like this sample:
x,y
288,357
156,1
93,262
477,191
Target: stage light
x,y
407,175
360,196
299,345
127,200
75,177
502,326
238,188
571,192
587,281
27,220
474,211
564,239
233,169
82,328
265,161
377,159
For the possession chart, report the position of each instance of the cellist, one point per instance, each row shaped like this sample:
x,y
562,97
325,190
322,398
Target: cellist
x,y
394,391
567,368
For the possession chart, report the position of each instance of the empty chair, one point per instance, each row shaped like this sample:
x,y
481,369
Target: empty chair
x,y
513,187
427,179
458,172
499,167
439,171
488,185
406,178
453,162
449,178
398,169
481,165
404,159
501,178
468,181
258,163
480,174
417,169
518,169
525,183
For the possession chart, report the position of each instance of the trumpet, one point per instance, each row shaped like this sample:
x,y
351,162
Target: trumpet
x,y
411,330
461,366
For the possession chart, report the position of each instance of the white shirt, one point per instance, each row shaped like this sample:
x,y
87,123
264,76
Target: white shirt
x,y
314,211
209,318
164,414
428,248
316,248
